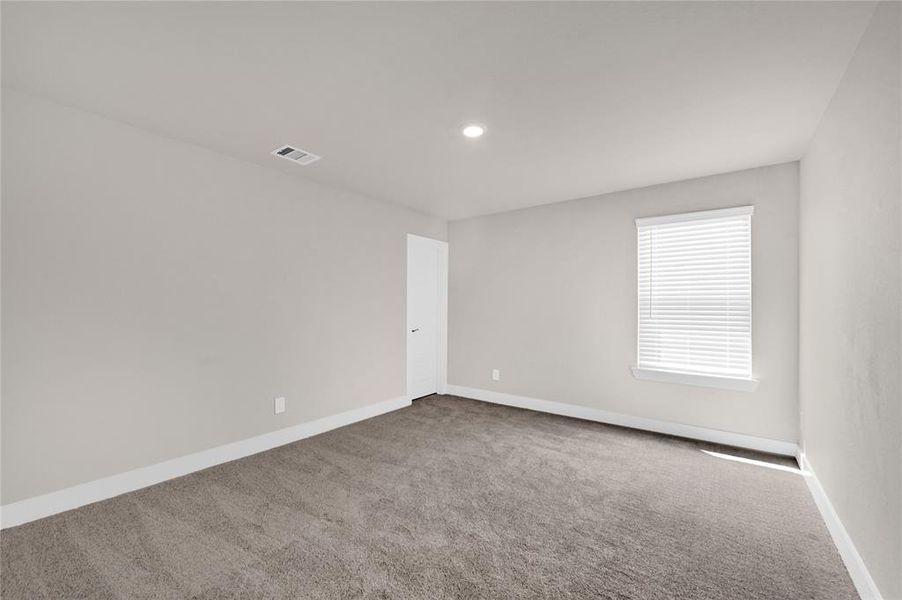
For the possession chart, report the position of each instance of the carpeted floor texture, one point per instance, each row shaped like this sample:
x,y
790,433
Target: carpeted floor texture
x,y
450,498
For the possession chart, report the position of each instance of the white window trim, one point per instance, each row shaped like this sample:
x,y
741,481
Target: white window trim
x,y
711,381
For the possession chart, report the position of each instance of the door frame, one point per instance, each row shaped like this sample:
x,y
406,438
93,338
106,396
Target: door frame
x,y
441,338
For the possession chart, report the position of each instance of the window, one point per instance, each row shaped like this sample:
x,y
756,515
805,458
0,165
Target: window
x,y
695,298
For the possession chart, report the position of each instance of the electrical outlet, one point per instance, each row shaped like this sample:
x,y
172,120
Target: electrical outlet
x,y
496,375
279,405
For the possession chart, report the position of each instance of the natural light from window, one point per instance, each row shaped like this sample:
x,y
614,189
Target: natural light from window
x,y
753,462
695,294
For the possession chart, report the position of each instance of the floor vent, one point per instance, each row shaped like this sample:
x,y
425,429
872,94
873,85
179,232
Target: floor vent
x,y
296,155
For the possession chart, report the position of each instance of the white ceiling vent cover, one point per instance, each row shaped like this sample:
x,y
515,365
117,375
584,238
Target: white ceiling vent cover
x,y
293,154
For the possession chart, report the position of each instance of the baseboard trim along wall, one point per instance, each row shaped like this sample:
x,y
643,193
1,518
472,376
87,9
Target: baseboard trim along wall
x,y
31,509
17,513
602,416
859,573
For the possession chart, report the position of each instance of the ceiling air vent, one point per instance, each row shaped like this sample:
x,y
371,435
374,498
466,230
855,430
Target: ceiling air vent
x,y
293,154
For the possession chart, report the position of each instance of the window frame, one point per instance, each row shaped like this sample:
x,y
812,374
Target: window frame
x,y
680,377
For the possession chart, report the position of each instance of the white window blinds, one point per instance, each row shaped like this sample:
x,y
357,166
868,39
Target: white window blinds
x,y
695,293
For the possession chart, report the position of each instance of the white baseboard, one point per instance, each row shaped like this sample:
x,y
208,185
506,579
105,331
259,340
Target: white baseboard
x,y
39,507
864,584
602,416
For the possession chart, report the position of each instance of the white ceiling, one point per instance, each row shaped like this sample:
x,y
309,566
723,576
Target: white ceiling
x,y
579,98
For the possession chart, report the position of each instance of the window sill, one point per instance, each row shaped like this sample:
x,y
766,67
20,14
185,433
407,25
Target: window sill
x,y
726,383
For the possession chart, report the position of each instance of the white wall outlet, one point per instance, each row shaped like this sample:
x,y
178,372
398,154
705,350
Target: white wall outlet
x,y
496,375
279,405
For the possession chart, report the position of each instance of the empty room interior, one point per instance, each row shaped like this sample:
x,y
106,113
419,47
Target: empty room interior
x,y
434,300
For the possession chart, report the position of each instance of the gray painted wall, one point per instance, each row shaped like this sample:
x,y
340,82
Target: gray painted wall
x,y
157,297
548,296
851,301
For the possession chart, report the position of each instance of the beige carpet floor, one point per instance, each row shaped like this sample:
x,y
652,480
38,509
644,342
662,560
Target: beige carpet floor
x,y
449,498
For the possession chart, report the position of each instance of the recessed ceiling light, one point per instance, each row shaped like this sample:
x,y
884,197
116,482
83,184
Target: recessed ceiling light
x,y
473,131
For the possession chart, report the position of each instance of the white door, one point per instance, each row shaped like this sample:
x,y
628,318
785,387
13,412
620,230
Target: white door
x,y
426,289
